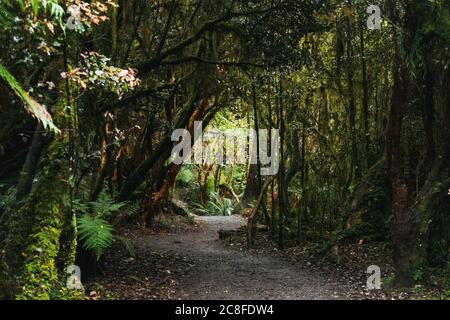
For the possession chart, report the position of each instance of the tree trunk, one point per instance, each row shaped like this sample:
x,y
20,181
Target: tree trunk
x,y
161,151
303,181
356,173
106,163
258,143
401,225
281,187
365,99
33,245
31,163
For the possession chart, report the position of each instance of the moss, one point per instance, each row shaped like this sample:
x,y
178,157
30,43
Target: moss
x,y
66,258
447,277
68,243
372,203
34,241
433,225
39,274
66,294
72,246
42,238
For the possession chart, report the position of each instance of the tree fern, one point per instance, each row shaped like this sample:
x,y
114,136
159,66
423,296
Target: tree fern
x,y
96,234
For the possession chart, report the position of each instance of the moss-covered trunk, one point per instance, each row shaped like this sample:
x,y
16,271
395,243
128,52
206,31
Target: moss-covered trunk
x,y
42,238
33,243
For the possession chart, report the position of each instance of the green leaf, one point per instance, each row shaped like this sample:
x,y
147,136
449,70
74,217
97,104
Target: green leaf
x,y
105,207
5,16
96,234
31,105
35,4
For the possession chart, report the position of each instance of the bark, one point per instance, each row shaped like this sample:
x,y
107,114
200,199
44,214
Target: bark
x,y
258,143
401,225
430,210
429,112
356,174
33,245
160,152
251,221
156,198
281,174
365,99
296,162
303,182
251,186
31,163
105,165
272,185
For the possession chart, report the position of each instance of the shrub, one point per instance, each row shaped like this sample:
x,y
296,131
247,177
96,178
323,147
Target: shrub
x,y
216,206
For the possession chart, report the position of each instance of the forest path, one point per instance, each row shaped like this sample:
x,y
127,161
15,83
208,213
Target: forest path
x,y
221,272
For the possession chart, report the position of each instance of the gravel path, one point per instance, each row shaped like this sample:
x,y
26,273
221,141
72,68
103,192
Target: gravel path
x,y
219,272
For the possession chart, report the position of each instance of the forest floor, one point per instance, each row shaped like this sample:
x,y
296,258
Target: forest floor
x,y
190,262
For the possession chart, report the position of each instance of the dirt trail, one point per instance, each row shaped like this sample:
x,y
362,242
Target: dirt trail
x,y
219,272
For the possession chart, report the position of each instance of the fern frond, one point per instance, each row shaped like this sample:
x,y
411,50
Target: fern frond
x,y
105,207
5,16
216,206
96,234
31,105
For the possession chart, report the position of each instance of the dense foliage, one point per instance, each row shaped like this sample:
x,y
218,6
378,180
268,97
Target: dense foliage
x,y
91,91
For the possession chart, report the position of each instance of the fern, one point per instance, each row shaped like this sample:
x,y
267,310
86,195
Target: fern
x,y
216,206
105,207
50,8
5,16
80,206
31,105
96,234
